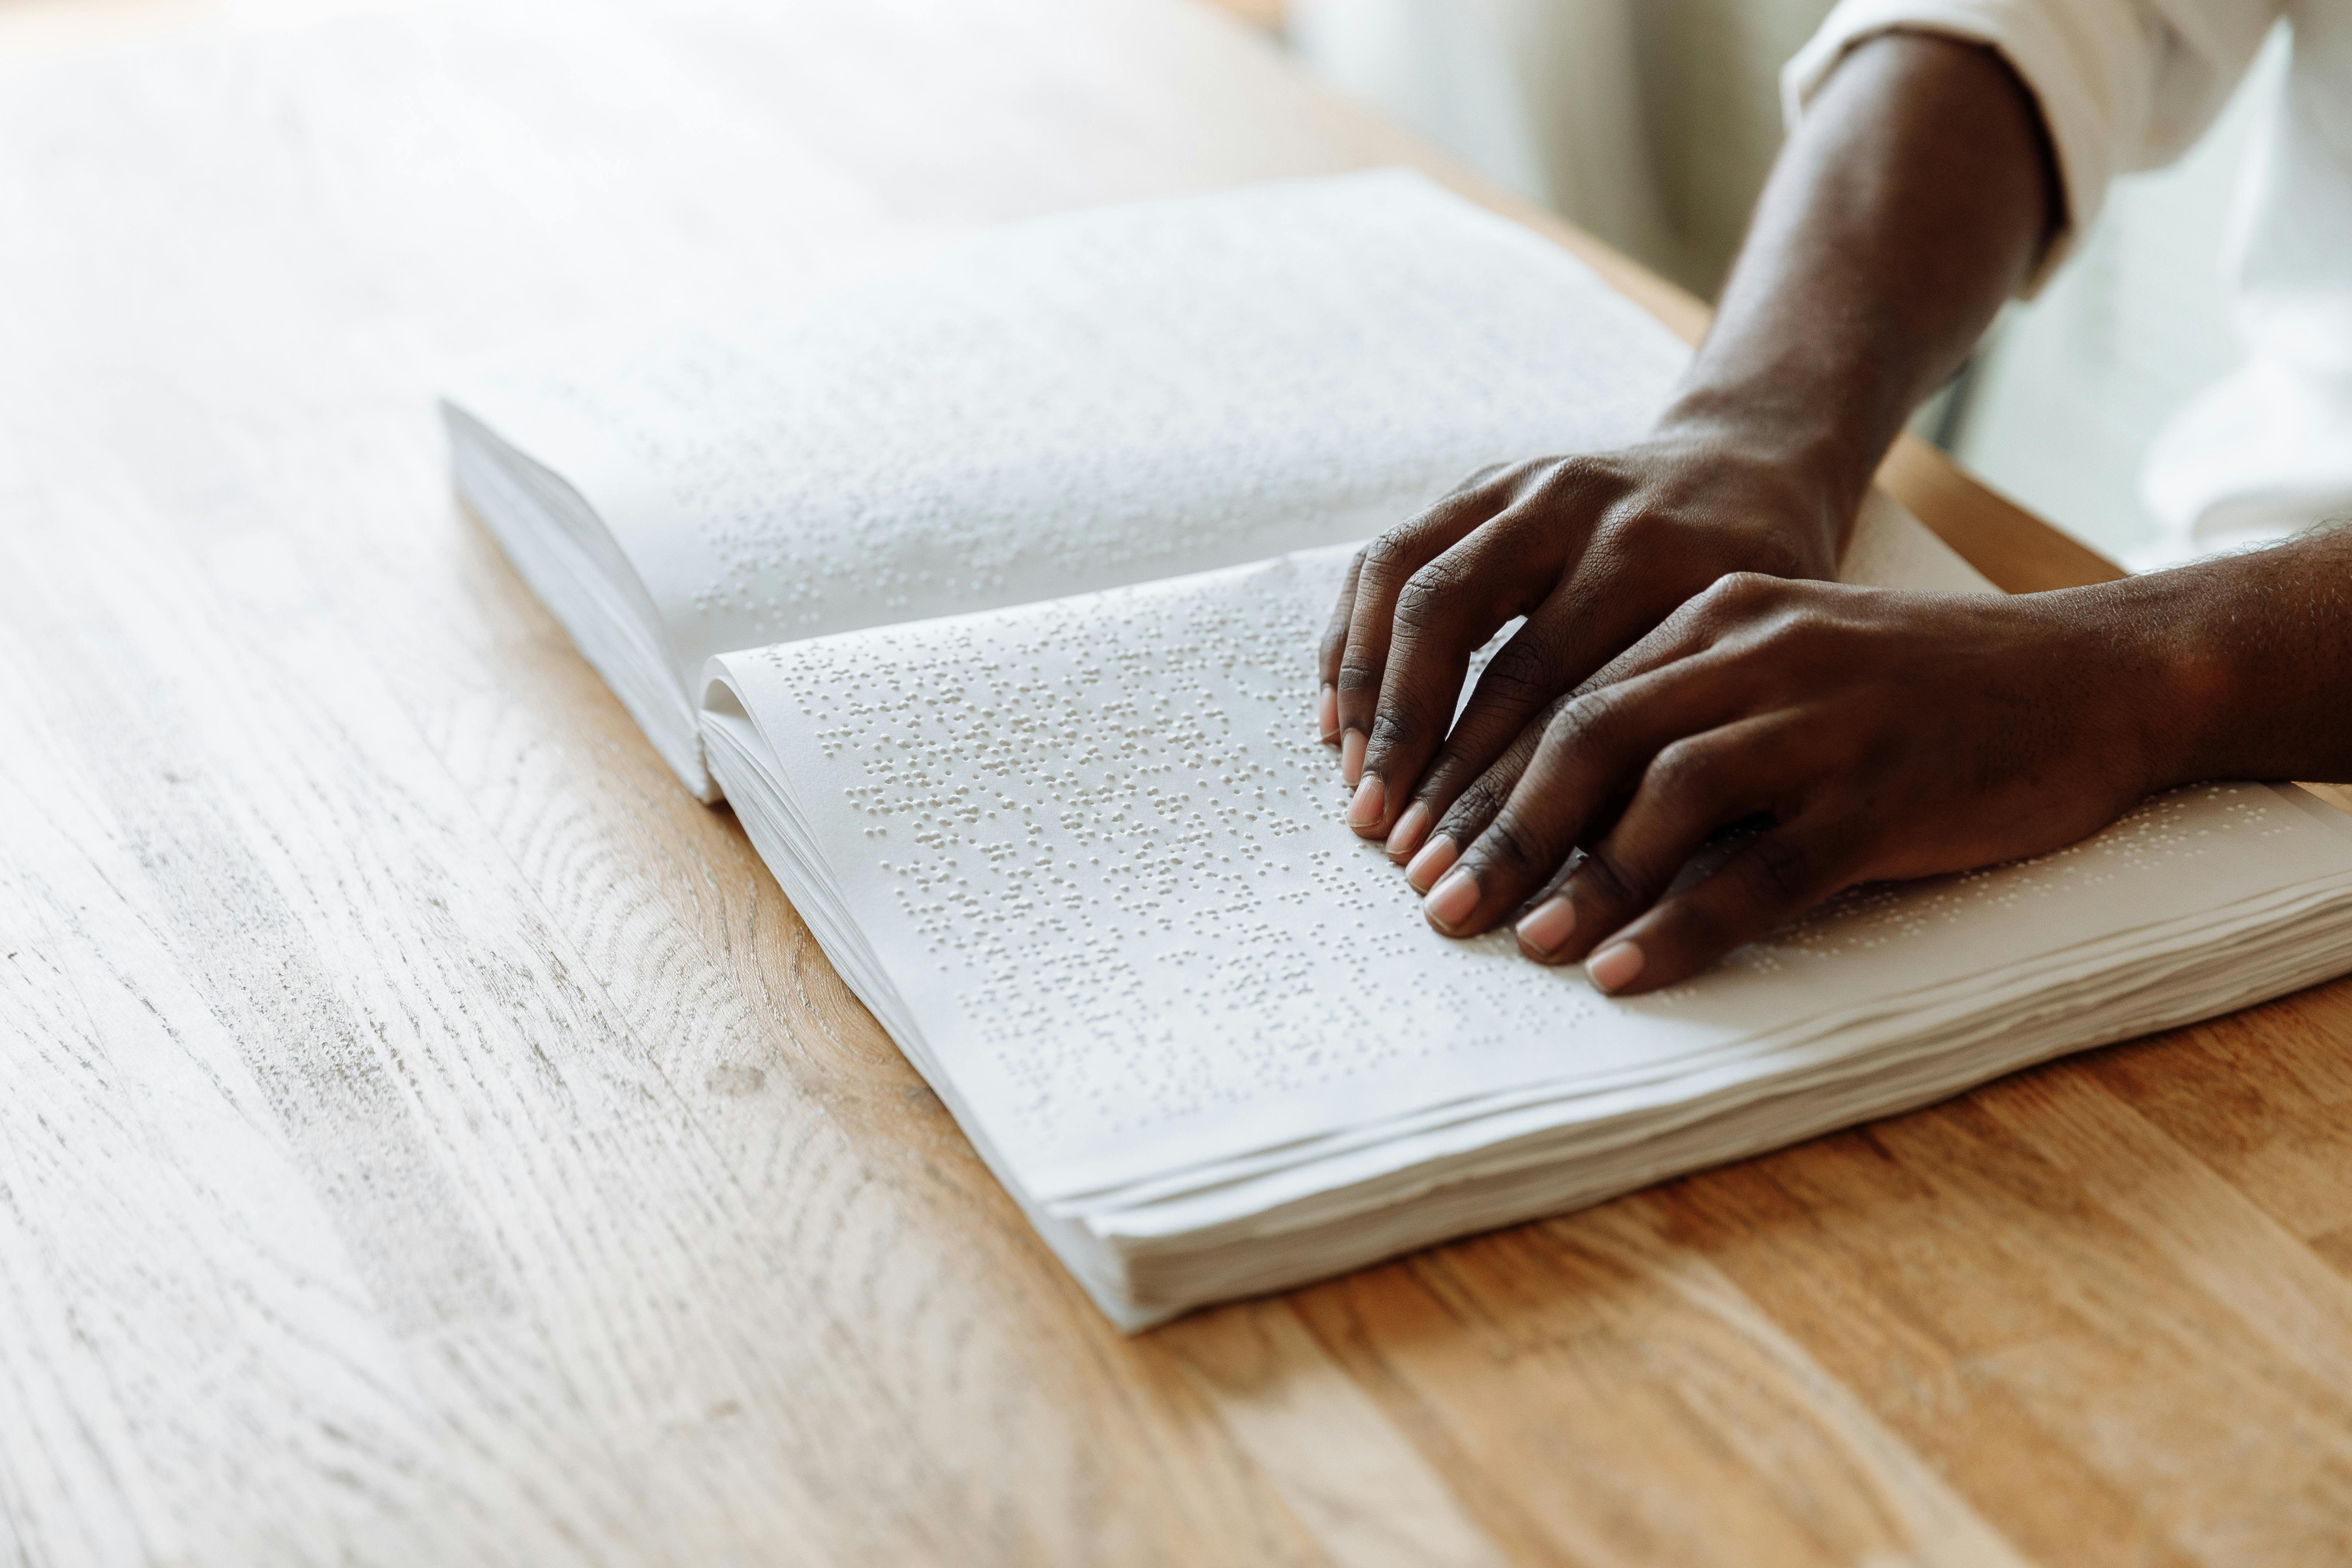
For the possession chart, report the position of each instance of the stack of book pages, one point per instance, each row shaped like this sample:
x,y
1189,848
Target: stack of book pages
x,y
988,597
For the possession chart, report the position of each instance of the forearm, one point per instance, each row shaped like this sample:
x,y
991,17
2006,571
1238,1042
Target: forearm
x,y
1912,200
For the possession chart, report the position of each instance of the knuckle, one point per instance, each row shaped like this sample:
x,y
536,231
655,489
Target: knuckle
x,y
1472,810
1800,630
1517,478
1585,484
1743,593
1575,472
1392,731
1396,553
1422,601
1510,843
1480,480
1585,720
1684,773
1358,678
1637,527
1522,668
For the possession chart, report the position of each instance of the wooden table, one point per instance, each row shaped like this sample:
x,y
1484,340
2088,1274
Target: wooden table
x,y
427,1137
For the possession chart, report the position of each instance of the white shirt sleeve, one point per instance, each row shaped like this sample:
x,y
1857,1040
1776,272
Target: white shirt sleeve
x,y
2123,84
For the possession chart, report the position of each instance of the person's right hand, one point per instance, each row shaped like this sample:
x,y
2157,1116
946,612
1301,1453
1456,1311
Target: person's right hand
x,y
1593,551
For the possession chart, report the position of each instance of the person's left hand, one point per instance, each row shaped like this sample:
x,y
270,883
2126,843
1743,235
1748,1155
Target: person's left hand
x,y
1882,734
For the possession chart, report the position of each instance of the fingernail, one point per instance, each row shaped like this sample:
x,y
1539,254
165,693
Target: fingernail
x,y
1431,863
1449,903
1371,800
1548,927
1405,837
1614,966
1327,714
1351,755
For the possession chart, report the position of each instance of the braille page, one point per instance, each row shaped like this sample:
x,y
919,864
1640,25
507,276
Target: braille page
x,y
1082,401
1891,549
1096,851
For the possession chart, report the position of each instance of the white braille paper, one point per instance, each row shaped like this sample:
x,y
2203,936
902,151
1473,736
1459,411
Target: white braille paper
x,y
1092,856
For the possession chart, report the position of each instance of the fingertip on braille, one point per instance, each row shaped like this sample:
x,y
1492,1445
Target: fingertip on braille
x,y
1351,756
1420,873
1616,966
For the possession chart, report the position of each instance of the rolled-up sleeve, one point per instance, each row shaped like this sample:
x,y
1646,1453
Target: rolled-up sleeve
x,y
2123,84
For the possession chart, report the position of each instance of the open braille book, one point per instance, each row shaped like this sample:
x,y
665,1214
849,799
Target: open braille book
x,y
988,596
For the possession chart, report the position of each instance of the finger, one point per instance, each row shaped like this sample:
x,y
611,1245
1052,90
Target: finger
x,y
1476,805
1691,789
1557,652
1446,612
1763,886
1527,676
1388,564
1327,660
1594,748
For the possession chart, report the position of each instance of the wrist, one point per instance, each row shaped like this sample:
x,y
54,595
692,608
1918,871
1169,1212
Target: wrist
x,y
2204,633
1818,432
1812,470
2131,664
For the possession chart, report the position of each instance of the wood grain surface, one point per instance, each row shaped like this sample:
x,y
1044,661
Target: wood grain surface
x,y
427,1136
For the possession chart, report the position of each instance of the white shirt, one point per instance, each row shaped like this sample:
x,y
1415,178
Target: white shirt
x,y
2129,84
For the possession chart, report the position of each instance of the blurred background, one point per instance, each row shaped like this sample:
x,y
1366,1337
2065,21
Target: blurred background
x,y
1652,123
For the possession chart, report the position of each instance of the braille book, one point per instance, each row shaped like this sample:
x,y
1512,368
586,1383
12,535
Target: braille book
x,y
988,597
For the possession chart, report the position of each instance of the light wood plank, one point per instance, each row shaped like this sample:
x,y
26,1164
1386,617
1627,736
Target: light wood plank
x,y
431,1137
1617,1367
1370,1498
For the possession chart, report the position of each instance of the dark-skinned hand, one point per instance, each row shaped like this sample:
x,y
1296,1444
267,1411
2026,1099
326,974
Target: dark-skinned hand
x,y
1593,551
1876,735
1674,676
